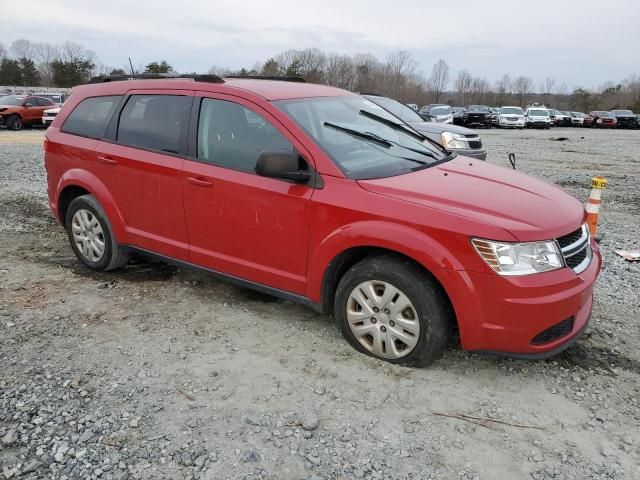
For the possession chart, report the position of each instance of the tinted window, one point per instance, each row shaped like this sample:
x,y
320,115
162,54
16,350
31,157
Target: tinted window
x,y
91,116
231,135
44,102
153,121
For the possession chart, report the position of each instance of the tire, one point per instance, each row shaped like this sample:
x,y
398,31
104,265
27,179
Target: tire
x,y
428,308
14,122
93,225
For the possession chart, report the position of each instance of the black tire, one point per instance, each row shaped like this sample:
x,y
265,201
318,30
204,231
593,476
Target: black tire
x,y
434,310
114,255
14,122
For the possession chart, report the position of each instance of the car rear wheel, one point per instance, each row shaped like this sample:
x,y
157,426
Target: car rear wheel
x,y
388,308
91,237
14,122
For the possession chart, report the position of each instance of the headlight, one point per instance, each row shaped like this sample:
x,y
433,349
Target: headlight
x,y
452,140
519,258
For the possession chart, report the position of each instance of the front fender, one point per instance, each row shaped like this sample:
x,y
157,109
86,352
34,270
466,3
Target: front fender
x,y
78,177
402,239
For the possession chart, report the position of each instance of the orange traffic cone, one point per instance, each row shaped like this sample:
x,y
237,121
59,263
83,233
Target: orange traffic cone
x,y
593,204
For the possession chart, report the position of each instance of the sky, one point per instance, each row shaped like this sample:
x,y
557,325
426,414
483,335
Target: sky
x,y
578,42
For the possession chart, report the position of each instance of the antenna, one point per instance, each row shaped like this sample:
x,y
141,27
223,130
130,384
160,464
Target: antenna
x,y
131,65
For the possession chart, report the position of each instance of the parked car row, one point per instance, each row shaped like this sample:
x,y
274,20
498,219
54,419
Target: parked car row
x,y
534,116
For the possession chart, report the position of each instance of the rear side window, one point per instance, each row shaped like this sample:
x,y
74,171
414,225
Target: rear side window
x,y
231,136
91,116
153,121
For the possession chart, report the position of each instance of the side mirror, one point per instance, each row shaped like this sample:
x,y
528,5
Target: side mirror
x,y
282,164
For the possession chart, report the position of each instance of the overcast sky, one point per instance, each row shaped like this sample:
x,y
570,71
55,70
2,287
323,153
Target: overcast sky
x,y
580,42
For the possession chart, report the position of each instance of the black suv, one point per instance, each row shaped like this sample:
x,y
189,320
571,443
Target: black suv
x,y
625,118
478,116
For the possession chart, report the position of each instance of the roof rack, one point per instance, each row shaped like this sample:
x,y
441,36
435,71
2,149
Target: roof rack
x,y
150,76
285,78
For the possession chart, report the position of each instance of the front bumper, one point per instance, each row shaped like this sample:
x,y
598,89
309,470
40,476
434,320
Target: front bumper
x,y
538,124
502,315
511,123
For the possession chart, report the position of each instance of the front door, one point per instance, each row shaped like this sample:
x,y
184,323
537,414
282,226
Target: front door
x,y
239,223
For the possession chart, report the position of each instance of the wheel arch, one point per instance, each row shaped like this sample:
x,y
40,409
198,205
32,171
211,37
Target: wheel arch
x,y
78,182
340,251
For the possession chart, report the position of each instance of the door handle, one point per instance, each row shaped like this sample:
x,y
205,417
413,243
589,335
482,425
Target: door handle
x,y
199,182
107,160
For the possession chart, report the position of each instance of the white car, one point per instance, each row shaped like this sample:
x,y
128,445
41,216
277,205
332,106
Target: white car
x,y
577,119
437,113
413,106
512,117
49,115
536,117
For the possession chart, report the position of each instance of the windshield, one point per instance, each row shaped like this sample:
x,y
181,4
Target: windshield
x,y
363,146
440,111
511,111
11,100
601,114
538,113
478,108
622,112
400,110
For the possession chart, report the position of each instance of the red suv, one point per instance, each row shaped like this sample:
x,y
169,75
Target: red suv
x,y
319,196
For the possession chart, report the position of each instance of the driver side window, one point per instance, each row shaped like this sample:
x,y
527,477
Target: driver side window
x,y
231,135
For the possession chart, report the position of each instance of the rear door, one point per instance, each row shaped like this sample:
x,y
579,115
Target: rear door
x,y
140,163
242,224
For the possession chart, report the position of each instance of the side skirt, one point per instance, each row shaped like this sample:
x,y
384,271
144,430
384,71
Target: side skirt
x,y
241,282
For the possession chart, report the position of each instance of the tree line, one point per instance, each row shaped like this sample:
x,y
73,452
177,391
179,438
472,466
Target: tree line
x,y
397,76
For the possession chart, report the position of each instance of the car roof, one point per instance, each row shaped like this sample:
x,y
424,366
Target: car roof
x,y
268,89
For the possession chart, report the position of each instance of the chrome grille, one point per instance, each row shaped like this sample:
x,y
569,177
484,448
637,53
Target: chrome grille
x,y
576,249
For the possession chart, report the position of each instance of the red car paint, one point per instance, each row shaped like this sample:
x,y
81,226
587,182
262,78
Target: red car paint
x,y
285,236
600,120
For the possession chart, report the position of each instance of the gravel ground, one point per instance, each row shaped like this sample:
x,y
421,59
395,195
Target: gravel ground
x,y
158,372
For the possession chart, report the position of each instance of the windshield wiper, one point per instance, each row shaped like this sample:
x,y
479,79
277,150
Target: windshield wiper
x,y
364,135
390,123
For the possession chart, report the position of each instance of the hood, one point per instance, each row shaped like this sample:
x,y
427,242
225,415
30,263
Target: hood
x,y
438,128
529,209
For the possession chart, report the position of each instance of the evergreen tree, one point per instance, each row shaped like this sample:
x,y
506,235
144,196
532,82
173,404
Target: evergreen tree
x,y
10,73
155,67
29,72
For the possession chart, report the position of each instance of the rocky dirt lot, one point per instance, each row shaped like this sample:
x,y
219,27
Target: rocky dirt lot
x,y
158,372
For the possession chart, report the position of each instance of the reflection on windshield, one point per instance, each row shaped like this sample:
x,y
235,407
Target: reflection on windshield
x,y
11,100
478,108
511,111
362,138
440,111
538,113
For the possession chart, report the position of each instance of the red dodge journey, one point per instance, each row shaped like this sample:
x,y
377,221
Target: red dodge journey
x,y
320,196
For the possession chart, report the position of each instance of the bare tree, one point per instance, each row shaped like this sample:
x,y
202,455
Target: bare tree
x,y
22,48
439,79
45,54
503,90
220,71
463,85
3,51
400,65
522,87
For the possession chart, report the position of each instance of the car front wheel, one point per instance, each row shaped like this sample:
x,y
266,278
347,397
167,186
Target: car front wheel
x,y
91,237
388,308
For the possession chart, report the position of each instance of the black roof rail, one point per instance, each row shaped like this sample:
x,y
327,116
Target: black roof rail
x,y
210,78
284,78
373,94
